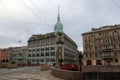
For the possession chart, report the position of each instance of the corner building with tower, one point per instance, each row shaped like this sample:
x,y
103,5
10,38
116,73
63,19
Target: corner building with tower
x,y
50,48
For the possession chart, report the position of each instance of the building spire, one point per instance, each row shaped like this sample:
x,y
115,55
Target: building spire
x,y
58,25
58,13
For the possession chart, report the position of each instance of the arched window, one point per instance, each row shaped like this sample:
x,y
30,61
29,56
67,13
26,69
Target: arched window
x,y
88,62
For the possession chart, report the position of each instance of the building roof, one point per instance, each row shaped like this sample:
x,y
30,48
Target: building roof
x,y
103,28
41,36
48,35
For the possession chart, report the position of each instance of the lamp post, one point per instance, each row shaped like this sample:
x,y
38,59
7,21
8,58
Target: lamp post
x,y
79,60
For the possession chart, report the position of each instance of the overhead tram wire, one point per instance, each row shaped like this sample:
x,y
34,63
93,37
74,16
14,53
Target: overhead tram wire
x,y
115,3
34,12
10,14
19,41
10,19
31,11
7,10
8,39
39,11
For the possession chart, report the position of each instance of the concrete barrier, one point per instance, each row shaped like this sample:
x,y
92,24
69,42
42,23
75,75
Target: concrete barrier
x,y
11,66
101,68
45,67
3,66
67,75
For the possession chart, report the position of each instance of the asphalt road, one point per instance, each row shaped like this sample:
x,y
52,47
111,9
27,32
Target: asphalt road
x,y
26,73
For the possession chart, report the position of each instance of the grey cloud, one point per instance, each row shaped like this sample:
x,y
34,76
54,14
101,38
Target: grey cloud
x,y
77,16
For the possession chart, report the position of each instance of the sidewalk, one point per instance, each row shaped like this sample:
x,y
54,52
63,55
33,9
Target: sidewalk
x,y
48,75
26,73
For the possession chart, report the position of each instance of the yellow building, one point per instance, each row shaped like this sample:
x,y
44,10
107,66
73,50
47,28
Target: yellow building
x,y
102,46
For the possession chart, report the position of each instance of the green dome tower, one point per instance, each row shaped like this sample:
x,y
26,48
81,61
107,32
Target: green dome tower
x,y
58,25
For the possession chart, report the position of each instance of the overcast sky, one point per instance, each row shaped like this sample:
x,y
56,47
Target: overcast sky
x,y
19,19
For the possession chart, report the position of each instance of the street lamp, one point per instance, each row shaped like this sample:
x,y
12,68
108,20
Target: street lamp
x,y
79,59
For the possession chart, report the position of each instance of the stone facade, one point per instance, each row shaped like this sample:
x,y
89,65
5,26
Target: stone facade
x,y
19,55
102,46
6,55
43,49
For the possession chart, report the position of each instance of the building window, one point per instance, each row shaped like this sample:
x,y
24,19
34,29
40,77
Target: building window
x,y
52,44
90,55
116,60
52,53
88,62
59,39
60,34
38,49
86,54
33,50
42,60
115,53
29,50
37,54
114,46
52,48
47,49
42,49
47,60
100,33
14,55
33,55
47,54
42,54
20,54
29,55
33,60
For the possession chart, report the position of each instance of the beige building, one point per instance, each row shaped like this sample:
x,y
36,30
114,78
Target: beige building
x,y
19,55
102,46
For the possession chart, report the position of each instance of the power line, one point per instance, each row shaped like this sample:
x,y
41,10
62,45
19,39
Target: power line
x,y
6,38
115,3
39,10
7,10
30,10
10,14
34,12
